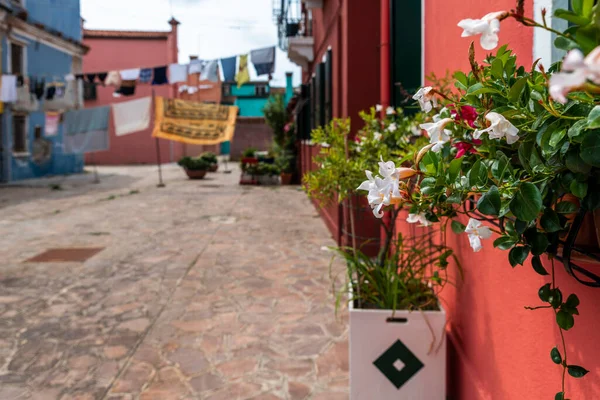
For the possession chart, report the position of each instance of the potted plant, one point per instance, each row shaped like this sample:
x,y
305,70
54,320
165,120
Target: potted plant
x,y
195,167
286,166
248,166
267,173
211,159
397,324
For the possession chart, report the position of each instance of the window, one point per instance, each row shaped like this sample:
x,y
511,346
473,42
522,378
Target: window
x,y
322,114
313,103
329,87
226,90
19,131
16,59
260,90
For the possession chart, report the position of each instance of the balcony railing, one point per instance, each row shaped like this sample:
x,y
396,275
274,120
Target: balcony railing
x,y
290,20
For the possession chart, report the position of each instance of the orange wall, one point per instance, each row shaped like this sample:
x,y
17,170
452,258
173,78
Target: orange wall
x,y
499,350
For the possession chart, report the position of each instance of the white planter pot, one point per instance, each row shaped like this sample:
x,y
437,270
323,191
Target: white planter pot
x,y
415,368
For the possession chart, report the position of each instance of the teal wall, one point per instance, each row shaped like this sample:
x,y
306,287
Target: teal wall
x,y
250,105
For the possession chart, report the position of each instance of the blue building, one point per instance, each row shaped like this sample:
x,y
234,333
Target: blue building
x,y
40,39
252,97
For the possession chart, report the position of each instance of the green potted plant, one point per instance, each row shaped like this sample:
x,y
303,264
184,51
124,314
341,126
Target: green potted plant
x,y
286,166
267,173
248,167
211,159
195,167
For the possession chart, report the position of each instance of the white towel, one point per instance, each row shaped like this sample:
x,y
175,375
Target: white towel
x,y
178,73
132,116
195,66
9,89
130,74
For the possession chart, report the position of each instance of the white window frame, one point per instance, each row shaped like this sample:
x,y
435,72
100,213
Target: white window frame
x,y
543,41
10,42
25,153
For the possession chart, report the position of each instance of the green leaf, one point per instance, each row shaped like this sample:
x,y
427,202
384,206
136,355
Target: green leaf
x,y
572,301
455,198
497,69
560,396
593,119
563,43
555,298
590,148
550,221
538,242
517,89
575,163
490,203
500,166
518,255
478,174
566,207
504,242
457,227
565,320
577,6
571,17
544,292
579,189
555,356
537,265
556,137
527,202
587,7
576,371
454,170
578,127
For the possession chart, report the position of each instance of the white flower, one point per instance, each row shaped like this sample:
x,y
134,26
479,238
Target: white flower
x,y
476,232
425,98
437,133
414,218
488,27
369,183
378,108
393,127
437,118
441,140
379,192
377,135
390,111
499,128
576,71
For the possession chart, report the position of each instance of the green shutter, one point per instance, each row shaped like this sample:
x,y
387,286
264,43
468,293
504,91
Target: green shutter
x,y
406,50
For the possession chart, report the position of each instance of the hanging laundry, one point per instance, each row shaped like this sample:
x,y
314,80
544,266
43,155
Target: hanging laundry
x,y
79,76
196,66
132,116
89,91
194,122
113,79
177,73
52,121
183,88
130,74
39,88
8,93
50,92
146,75
210,71
25,100
91,77
263,60
66,97
20,80
102,77
69,77
192,89
86,130
160,76
127,88
243,75
32,82
228,67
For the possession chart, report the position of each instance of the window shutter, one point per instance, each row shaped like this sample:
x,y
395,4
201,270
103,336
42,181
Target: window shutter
x,y
313,103
321,84
406,49
329,87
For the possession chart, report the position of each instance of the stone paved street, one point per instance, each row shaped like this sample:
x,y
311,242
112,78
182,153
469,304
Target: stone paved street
x,y
203,290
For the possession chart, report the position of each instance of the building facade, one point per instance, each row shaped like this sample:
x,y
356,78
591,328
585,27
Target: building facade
x,y
497,349
117,50
40,39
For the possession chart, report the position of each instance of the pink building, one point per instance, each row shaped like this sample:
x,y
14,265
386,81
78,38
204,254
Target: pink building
x,y
117,50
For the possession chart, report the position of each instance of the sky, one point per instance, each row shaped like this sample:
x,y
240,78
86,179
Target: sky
x,y
209,28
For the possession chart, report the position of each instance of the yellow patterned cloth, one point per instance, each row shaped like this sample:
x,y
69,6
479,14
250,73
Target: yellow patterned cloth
x,y
243,74
193,122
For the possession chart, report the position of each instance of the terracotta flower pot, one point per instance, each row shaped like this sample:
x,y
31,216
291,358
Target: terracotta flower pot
x,y
195,174
286,178
213,168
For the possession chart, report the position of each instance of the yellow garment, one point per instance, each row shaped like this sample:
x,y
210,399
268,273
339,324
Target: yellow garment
x,y
193,122
243,74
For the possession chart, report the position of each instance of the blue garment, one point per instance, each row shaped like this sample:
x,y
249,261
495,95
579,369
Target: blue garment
x,y
263,60
160,76
226,148
86,130
146,75
228,65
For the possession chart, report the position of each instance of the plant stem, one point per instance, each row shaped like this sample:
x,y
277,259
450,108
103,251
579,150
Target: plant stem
x,y
562,337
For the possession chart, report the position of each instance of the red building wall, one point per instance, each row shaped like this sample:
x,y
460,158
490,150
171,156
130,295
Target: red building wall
x,y
499,350
123,50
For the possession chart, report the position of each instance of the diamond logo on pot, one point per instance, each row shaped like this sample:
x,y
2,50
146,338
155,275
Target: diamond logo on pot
x,y
398,364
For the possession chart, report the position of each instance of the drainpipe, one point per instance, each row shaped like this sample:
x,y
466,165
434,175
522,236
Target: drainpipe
x,y
385,54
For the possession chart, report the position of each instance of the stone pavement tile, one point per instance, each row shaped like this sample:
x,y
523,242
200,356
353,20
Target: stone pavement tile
x,y
206,382
190,361
333,362
238,367
330,396
135,377
236,391
169,385
298,391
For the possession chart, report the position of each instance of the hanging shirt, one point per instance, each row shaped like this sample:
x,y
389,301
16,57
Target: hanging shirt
x,y
263,60
146,75
51,123
196,66
210,71
127,88
130,74
113,79
177,73
228,68
8,93
132,116
243,75
86,130
160,76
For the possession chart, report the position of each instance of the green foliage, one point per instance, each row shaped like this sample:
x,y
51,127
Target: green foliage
x,y
194,163
209,157
249,152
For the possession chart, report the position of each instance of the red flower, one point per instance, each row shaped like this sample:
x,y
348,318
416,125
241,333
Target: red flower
x,y
464,148
467,114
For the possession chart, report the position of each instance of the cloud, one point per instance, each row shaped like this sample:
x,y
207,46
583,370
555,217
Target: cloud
x,y
209,28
